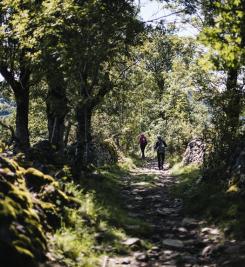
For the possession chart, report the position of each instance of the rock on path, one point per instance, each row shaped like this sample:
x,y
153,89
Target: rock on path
x,y
178,241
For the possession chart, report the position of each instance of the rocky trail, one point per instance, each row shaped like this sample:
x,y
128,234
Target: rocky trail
x,y
177,240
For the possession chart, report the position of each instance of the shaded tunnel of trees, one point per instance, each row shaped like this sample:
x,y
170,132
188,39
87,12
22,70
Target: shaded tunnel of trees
x,y
78,75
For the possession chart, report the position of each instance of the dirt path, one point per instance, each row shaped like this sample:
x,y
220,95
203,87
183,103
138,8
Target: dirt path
x,y
178,240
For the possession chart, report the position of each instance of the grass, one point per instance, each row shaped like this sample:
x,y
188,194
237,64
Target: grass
x,y
210,200
107,185
101,223
174,159
137,160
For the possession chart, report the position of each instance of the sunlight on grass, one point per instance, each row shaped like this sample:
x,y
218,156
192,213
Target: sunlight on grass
x,y
127,163
212,201
100,224
75,246
185,170
187,175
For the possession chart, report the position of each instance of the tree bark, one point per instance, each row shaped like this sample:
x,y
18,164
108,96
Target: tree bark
x,y
21,92
56,110
21,123
67,133
229,124
84,135
233,107
84,114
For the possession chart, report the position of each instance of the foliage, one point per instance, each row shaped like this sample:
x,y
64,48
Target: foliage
x,y
224,34
95,66
160,96
221,25
55,42
37,114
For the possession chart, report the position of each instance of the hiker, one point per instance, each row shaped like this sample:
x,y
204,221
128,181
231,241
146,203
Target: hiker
x,y
143,143
160,148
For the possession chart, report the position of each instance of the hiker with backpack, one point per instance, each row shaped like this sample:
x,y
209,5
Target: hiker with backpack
x,y
160,148
143,143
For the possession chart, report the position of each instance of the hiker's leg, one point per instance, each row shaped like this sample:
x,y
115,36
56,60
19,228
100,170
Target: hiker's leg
x,y
163,158
159,160
142,151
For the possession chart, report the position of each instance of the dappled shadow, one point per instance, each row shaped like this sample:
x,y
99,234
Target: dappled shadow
x,y
108,186
158,231
150,200
210,202
177,239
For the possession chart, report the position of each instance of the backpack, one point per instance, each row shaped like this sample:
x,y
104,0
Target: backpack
x,y
161,147
143,140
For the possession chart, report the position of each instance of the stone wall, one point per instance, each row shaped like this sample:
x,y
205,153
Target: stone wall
x,y
105,152
31,204
194,152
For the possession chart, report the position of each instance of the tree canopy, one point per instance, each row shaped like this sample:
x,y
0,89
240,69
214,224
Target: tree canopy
x,y
82,83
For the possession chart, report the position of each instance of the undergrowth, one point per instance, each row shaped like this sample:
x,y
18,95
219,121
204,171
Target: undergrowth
x,y
210,199
101,223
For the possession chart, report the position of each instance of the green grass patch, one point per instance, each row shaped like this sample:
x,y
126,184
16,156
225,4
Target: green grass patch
x,y
145,180
210,200
173,159
101,223
187,177
107,185
138,161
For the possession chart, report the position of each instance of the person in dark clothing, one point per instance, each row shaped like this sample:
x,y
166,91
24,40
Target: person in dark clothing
x,y
143,143
160,148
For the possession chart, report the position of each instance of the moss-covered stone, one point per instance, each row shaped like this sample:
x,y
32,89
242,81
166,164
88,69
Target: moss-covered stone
x,y
30,204
46,153
111,147
233,189
21,234
8,163
104,152
36,179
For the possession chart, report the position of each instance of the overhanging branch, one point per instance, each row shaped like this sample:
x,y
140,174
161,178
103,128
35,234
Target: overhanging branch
x,y
165,16
9,77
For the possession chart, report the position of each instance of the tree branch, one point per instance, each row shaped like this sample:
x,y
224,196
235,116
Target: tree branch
x,y
165,16
9,77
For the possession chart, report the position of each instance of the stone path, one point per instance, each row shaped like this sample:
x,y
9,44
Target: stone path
x,y
178,240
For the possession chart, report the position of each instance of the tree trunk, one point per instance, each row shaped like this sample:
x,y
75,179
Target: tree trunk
x,y
84,118
84,136
56,111
67,133
21,92
21,123
233,107
229,125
